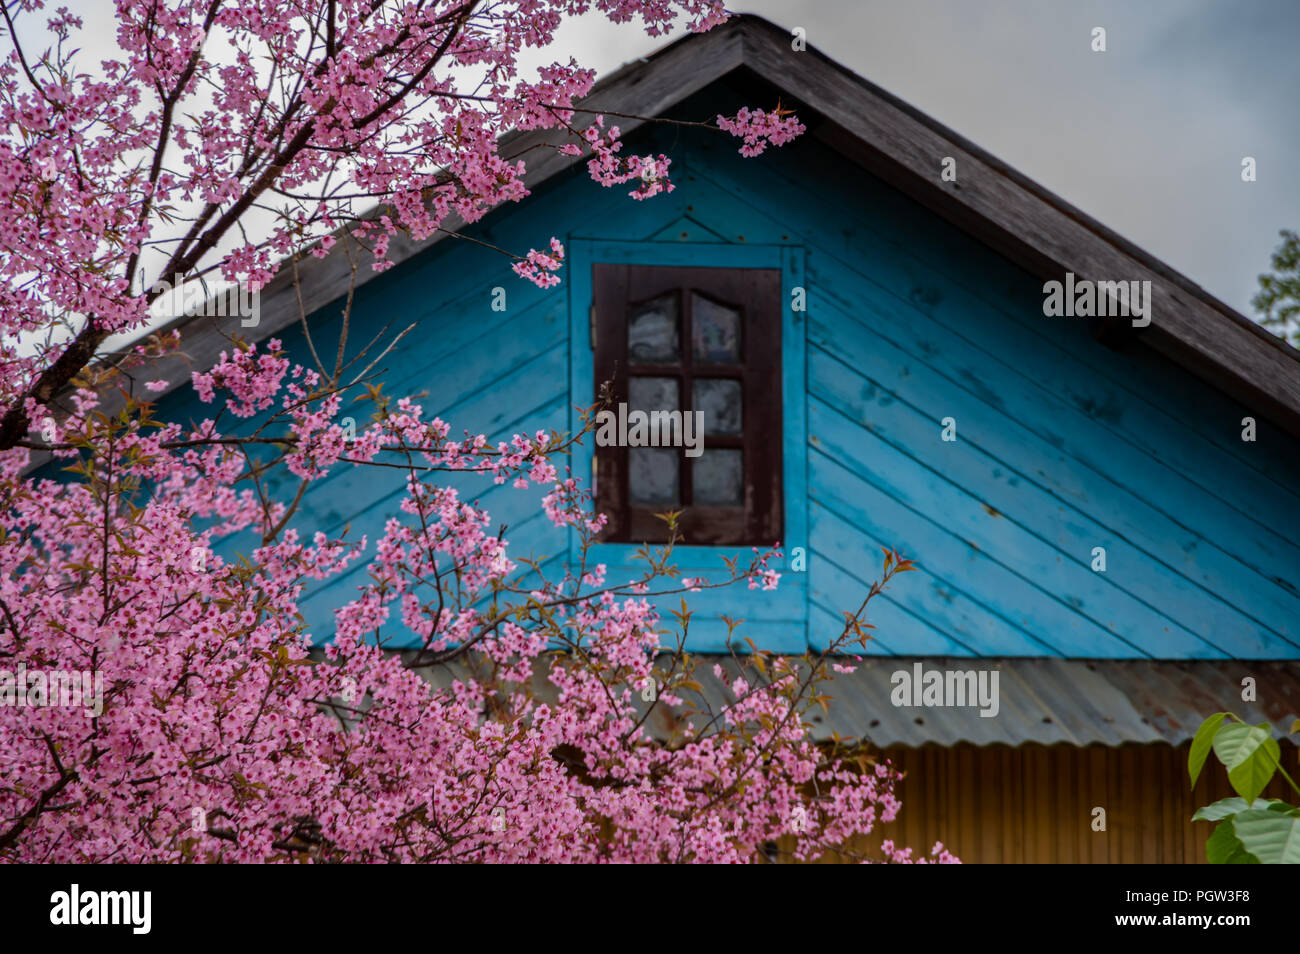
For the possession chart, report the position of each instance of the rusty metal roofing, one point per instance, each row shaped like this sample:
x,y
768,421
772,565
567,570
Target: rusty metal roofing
x,y
1046,701
1058,700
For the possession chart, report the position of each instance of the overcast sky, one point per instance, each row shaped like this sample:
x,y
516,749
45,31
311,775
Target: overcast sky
x,y
1147,137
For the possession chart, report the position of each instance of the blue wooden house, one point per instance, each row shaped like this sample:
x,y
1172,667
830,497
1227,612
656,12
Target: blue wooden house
x,y
1103,510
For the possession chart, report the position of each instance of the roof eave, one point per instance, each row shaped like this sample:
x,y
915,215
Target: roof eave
x,y
1001,207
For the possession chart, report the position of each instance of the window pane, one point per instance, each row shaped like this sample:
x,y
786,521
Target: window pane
x,y
719,399
718,477
652,475
652,394
652,332
716,332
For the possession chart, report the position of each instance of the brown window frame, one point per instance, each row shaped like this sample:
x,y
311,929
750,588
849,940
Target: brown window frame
x,y
756,293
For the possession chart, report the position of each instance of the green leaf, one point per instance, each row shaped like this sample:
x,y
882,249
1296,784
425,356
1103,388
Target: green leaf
x,y
1250,755
1224,847
1272,837
1236,743
1225,807
1201,744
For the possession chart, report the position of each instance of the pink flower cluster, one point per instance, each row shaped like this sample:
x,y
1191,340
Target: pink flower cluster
x,y
609,169
215,708
539,267
760,129
251,379
761,576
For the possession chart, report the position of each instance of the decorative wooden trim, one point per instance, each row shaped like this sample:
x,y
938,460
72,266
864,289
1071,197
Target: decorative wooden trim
x,y
757,521
794,397
582,253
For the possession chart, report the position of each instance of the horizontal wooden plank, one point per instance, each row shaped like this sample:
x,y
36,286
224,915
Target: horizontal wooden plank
x,y
977,495
918,614
983,579
1040,455
1062,576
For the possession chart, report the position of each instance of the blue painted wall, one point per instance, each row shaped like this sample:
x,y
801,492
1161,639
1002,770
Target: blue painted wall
x,y
1063,444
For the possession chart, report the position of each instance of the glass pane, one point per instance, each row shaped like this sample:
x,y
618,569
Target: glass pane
x,y
652,332
716,332
719,399
652,394
718,477
652,475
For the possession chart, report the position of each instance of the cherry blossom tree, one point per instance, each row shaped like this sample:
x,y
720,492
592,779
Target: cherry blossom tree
x,y
233,137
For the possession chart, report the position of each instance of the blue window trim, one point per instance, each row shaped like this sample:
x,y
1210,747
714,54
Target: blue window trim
x,y
581,255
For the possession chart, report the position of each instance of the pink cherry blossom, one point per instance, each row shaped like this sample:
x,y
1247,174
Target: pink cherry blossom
x,y
170,560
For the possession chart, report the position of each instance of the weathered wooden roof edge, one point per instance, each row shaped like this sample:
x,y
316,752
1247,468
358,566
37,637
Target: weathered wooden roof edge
x,y
1003,208
1032,226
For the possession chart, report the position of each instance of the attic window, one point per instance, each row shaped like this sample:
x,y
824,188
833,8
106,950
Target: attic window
x,y
680,346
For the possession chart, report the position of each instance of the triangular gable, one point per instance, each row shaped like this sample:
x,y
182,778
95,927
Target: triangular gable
x,y
1020,219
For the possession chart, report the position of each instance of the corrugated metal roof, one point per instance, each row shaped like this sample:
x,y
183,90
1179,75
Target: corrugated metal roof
x,y
1076,701
1054,700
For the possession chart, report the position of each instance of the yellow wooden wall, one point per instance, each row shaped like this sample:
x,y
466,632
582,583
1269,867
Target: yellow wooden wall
x,y
1033,803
